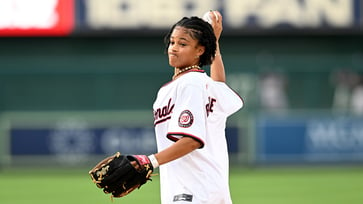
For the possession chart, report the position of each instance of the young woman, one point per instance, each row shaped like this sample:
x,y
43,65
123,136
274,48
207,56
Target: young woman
x,y
190,114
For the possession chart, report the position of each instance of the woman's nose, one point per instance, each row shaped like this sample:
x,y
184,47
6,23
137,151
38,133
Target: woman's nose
x,y
173,47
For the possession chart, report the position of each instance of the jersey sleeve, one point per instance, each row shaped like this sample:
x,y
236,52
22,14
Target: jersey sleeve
x,y
228,100
189,115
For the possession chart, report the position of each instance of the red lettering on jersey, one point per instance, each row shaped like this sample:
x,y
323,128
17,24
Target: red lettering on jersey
x,y
210,105
164,112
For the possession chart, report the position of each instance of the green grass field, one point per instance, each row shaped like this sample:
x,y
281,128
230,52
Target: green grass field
x,y
258,186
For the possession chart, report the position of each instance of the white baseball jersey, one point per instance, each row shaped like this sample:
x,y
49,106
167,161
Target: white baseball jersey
x,y
195,106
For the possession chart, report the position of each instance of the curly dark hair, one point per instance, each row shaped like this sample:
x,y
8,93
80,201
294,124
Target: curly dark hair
x,y
201,31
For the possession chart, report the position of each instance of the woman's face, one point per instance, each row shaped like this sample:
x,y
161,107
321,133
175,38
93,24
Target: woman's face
x,y
183,50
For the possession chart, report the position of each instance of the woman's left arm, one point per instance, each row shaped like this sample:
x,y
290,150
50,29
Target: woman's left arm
x,y
217,67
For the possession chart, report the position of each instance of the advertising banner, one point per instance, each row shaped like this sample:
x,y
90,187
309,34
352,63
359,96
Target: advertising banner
x,y
77,17
68,145
239,16
36,17
309,139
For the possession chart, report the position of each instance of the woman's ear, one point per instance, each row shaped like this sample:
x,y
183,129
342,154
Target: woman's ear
x,y
201,50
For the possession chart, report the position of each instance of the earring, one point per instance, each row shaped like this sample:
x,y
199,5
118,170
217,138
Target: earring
x,y
196,57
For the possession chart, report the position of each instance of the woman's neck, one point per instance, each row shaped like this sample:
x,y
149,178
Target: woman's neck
x,y
179,71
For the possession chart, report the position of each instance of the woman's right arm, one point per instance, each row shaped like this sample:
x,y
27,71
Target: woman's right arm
x,y
180,148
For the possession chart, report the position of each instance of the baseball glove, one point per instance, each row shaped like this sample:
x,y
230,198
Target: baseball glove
x,y
121,174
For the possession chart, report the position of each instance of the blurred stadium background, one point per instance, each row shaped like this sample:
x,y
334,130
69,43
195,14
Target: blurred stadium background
x,y
78,79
